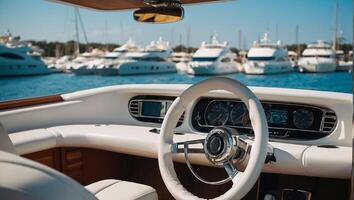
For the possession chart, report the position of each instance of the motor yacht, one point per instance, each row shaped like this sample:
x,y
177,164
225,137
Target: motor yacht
x,y
318,57
60,64
292,55
103,67
214,58
266,57
215,139
344,63
18,58
86,63
153,60
182,59
178,57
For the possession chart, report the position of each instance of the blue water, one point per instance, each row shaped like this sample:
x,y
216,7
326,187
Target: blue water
x,y
23,87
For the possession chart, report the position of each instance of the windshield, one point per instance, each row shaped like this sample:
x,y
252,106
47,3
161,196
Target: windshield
x,y
61,33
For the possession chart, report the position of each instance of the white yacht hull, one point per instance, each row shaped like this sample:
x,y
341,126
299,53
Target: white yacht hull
x,y
212,68
146,67
345,66
183,67
317,66
267,67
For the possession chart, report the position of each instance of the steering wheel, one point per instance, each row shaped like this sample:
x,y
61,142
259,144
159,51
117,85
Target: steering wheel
x,y
222,146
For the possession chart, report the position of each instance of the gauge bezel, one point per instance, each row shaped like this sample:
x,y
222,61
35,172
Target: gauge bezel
x,y
306,110
206,114
245,112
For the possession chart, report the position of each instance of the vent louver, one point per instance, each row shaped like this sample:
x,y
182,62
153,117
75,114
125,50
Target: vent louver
x,y
136,104
134,108
329,121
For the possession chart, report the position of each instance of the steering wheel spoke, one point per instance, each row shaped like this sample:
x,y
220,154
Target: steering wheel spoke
x,y
180,147
230,169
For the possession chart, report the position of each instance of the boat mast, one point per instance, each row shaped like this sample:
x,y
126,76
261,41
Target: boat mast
x,y
188,37
334,47
180,41
297,41
77,37
239,40
82,25
276,33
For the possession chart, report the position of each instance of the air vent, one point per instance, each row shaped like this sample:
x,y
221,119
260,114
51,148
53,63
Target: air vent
x,y
181,118
136,104
134,108
329,121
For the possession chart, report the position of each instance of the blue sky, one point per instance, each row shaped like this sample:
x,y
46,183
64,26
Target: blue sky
x,y
45,20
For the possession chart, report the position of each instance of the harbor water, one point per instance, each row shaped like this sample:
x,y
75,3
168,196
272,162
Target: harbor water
x,y
33,86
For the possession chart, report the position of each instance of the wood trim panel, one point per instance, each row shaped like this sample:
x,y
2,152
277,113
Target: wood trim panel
x,y
5,105
89,165
72,163
50,158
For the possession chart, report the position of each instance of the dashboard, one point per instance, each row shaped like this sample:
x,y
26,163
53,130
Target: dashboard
x,y
285,120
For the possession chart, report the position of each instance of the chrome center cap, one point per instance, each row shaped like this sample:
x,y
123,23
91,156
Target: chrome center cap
x,y
215,145
220,145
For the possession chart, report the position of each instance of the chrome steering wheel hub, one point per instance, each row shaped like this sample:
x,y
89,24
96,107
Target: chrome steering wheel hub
x,y
220,146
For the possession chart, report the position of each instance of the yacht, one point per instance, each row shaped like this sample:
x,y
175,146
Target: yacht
x,y
318,57
293,58
266,57
60,64
182,59
154,59
214,58
18,58
110,59
344,63
215,139
178,57
86,63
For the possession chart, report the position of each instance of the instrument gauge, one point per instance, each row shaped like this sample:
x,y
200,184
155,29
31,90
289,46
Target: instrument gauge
x,y
303,118
237,114
217,113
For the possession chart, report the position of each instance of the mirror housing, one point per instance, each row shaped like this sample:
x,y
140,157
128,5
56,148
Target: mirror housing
x,y
159,15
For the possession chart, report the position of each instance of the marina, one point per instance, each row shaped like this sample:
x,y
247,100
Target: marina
x,y
25,73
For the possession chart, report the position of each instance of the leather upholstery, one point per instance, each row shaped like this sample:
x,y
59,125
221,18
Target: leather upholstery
x,y
21,178
109,189
5,142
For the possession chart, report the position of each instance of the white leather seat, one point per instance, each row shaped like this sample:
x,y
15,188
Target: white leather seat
x,y
22,179
109,189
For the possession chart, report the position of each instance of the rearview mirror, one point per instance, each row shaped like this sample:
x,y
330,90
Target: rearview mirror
x,y
159,15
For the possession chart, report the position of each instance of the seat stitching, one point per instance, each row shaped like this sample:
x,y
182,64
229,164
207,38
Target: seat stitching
x,y
107,187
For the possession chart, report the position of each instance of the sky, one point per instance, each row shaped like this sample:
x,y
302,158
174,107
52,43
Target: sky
x,y
45,20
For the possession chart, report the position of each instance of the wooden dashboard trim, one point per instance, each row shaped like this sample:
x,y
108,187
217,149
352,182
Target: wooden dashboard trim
x,y
18,103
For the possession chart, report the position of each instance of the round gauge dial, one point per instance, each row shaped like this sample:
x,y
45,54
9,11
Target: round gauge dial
x,y
217,114
303,118
237,114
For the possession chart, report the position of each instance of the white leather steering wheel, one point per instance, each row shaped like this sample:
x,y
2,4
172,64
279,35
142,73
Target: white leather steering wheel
x,y
221,145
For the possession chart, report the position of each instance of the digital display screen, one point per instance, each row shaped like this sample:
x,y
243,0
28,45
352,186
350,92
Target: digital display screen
x,y
151,109
278,117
